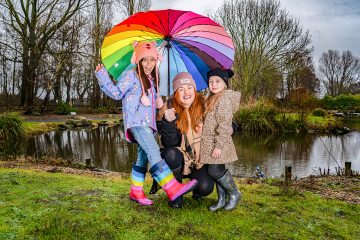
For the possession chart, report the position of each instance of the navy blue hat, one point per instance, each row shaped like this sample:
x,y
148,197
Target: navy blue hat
x,y
223,73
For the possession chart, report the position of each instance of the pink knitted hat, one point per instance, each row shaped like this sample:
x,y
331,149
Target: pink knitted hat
x,y
147,49
181,79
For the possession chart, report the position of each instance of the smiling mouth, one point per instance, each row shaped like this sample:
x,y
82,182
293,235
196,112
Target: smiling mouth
x,y
187,97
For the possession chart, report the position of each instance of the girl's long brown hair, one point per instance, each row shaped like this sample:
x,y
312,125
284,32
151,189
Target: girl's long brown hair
x,y
144,78
196,112
211,100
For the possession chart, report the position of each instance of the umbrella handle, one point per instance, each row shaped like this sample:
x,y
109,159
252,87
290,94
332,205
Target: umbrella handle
x,y
169,103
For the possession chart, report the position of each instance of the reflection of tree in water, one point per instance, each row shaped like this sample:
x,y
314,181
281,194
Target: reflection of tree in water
x,y
273,152
108,149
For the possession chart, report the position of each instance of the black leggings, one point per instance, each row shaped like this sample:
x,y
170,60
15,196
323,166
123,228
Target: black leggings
x,y
216,171
175,159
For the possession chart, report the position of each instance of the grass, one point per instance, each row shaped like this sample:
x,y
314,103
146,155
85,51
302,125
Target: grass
x,y
41,205
310,119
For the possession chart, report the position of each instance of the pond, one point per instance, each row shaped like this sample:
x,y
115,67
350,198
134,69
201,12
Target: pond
x,y
108,149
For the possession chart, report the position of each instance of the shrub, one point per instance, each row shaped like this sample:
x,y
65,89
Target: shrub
x,y
319,112
301,101
101,109
64,108
257,115
357,109
12,125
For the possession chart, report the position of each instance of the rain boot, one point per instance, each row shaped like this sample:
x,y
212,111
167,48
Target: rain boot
x,y
163,175
178,176
137,183
228,184
221,198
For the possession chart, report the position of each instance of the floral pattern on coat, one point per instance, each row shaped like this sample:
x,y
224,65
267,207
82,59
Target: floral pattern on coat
x,y
129,90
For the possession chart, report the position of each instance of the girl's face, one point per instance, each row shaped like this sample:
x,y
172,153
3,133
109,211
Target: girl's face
x,y
216,84
186,95
148,64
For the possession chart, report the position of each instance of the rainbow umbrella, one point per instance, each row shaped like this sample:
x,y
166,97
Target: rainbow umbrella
x,y
188,42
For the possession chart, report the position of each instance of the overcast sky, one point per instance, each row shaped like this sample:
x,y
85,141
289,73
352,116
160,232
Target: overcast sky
x,y
332,24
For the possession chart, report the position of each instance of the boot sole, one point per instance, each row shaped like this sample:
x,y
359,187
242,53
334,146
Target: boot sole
x,y
187,191
137,200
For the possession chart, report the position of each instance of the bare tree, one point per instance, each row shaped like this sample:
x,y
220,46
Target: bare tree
x,y
35,23
60,51
265,37
301,73
130,7
339,72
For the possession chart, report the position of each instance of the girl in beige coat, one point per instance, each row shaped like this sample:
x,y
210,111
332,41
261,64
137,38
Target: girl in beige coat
x,y
217,147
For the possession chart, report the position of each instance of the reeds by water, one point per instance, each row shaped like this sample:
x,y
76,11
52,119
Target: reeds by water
x,y
12,125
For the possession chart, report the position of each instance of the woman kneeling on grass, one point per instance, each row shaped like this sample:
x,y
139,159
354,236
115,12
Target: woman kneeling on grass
x,y
181,129
137,89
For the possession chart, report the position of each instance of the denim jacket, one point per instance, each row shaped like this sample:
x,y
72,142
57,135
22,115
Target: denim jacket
x,y
129,90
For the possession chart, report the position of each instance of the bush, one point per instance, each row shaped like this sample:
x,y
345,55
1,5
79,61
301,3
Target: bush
x,y
341,102
64,108
257,115
319,112
12,125
101,110
357,109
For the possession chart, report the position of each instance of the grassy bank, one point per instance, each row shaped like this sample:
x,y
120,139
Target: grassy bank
x,y
40,205
37,128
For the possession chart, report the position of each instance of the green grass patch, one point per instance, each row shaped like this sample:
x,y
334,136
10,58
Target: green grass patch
x,y
41,205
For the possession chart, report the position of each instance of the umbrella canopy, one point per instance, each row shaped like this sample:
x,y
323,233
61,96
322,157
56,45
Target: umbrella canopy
x,y
188,42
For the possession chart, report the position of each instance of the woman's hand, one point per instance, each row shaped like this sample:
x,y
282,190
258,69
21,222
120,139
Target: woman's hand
x,y
98,67
170,115
216,153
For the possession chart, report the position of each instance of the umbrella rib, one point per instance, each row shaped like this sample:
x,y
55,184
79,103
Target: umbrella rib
x,y
177,20
182,24
190,58
191,32
180,42
164,32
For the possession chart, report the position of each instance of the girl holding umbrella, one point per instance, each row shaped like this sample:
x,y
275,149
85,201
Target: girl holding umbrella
x,y
140,100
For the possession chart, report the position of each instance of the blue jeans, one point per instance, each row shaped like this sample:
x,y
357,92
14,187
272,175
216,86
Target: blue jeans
x,y
148,149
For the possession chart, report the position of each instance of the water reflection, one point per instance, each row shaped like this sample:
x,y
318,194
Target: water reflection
x,y
305,153
108,149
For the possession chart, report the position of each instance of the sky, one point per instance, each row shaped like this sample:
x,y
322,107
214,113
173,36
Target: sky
x,y
332,24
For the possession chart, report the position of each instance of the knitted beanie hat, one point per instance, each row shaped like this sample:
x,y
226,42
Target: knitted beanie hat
x,y
223,73
147,49
181,79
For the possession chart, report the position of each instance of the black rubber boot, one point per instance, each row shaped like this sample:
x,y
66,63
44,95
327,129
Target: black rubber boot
x,y
197,197
155,187
178,176
228,184
221,198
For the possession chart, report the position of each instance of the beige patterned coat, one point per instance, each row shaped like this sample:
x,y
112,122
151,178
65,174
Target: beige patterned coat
x,y
216,130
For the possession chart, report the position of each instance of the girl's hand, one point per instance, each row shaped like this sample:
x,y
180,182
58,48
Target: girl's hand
x,y
98,67
216,153
170,115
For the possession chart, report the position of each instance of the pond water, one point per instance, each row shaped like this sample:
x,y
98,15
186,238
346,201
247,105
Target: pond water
x,y
108,149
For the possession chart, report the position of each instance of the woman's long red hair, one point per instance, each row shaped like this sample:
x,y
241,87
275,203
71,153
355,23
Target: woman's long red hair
x,y
196,112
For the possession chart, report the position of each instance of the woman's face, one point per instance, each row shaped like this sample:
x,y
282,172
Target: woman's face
x,y
186,95
216,84
148,64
